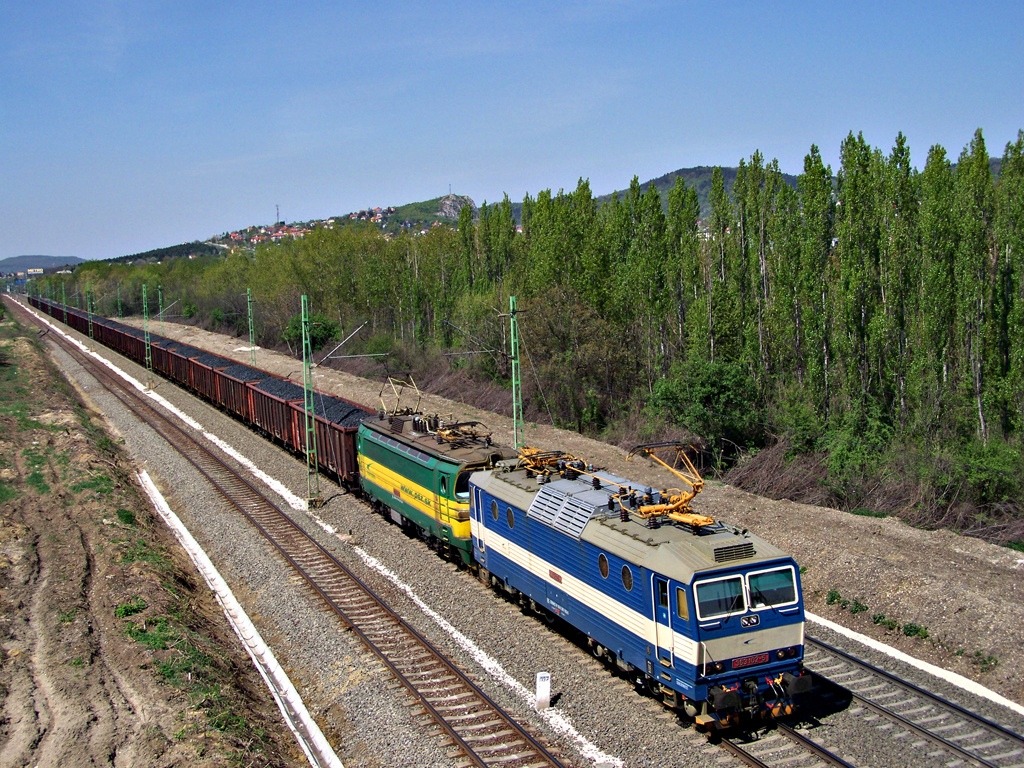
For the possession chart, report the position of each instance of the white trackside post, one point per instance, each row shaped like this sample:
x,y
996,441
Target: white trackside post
x,y
543,690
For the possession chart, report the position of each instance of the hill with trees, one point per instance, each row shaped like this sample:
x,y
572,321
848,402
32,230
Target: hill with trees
x,y
22,263
848,337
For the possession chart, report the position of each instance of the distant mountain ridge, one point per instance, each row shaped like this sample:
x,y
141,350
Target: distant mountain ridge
x,y
22,263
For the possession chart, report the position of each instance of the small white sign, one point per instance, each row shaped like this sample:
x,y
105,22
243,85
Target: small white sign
x,y
543,690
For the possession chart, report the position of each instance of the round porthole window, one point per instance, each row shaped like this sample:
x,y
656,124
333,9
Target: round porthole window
x,y
602,565
510,517
627,578
494,509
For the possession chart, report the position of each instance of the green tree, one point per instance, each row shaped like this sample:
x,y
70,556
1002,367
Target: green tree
x,y
974,208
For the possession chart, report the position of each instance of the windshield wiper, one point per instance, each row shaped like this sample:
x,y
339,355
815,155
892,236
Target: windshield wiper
x,y
764,599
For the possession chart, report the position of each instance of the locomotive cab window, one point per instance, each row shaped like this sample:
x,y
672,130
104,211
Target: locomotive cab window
x,y
771,589
662,594
494,509
682,609
510,516
602,565
462,486
721,597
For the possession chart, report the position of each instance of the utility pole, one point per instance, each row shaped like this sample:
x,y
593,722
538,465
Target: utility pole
x,y
145,328
88,306
252,329
313,498
517,387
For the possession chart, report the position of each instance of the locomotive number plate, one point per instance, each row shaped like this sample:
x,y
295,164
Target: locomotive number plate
x,y
749,661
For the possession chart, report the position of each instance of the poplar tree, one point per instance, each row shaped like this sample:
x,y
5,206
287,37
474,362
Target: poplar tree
x,y
974,201
813,312
936,358
1010,238
683,250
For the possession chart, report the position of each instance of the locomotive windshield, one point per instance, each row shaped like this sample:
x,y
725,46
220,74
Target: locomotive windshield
x,y
772,588
721,597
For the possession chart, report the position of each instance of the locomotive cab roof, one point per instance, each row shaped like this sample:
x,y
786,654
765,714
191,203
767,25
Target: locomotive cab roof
x,y
459,442
579,508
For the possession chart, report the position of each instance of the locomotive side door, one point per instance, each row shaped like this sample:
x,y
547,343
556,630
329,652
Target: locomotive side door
x,y
662,624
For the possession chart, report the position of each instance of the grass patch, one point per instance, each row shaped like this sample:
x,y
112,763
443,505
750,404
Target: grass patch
x,y
77,662
1017,546
7,492
140,551
126,516
102,484
35,479
130,609
986,661
191,669
66,617
868,513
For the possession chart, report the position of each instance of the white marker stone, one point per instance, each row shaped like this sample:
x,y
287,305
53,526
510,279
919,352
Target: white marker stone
x,y
543,690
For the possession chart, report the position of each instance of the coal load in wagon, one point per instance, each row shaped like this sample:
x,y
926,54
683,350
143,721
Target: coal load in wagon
x,y
244,373
282,389
212,360
339,412
183,349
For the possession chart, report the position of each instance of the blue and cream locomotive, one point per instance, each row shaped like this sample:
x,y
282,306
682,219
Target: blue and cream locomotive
x,y
707,616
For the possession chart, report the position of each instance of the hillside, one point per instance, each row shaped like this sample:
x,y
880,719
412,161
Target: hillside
x,y
698,178
21,263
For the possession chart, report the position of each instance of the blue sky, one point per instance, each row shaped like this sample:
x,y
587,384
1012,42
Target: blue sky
x,y
126,126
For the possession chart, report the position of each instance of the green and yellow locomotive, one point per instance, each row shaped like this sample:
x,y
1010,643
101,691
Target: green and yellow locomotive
x,y
416,469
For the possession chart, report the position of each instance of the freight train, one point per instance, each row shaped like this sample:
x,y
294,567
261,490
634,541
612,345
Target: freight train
x,y
707,617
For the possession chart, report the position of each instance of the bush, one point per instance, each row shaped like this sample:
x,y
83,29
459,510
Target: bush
x,y
717,401
910,629
321,330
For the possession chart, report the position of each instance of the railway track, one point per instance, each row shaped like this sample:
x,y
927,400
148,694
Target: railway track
x,y
479,731
942,732
783,746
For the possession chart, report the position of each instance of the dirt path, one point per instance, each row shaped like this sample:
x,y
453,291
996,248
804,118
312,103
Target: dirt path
x,y
112,650
879,577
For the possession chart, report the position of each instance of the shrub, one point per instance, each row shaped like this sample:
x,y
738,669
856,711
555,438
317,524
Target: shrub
x,y
130,609
715,400
910,629
321,330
